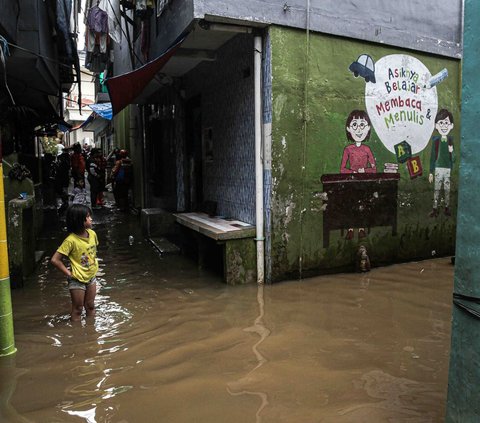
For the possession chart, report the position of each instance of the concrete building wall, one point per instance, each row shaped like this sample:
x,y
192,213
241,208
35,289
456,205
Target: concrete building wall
x,y
226,90
8,25
434,27
35,31
313,93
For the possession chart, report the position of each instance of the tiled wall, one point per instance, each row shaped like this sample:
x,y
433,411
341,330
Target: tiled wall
x,y
227,94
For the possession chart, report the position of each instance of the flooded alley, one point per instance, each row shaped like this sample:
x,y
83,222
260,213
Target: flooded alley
x,y
171,343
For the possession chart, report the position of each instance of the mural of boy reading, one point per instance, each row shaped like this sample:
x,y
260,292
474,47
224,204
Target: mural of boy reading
x,y
357,157
441,160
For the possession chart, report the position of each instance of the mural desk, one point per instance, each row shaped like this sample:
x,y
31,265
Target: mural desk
x,y
359,200
236,239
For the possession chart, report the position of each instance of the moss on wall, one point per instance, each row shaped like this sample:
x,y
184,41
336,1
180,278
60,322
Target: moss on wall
x,y
312,96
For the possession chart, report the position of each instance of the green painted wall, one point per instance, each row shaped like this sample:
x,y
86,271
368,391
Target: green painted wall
x,y
312,95
463,387
121,124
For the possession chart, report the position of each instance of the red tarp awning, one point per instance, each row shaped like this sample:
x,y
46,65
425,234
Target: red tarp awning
x,y
123,89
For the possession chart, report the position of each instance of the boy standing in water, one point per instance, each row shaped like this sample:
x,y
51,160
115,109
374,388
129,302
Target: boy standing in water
x,y
81,249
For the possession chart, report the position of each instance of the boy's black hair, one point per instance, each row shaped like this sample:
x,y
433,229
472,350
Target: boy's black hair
x,y
443,114
76,215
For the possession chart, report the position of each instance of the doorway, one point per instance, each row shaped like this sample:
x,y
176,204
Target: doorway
x,y
194,154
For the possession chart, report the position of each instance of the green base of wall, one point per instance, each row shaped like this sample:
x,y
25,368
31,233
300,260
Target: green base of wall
x,y
7,341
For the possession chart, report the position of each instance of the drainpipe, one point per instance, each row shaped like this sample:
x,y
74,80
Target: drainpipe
x,y
144,161
258,160
7,342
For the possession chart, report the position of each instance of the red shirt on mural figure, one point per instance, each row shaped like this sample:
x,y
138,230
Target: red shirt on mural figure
x,y
357,157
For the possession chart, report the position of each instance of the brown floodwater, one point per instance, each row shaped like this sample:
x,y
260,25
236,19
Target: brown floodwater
x,y
172,343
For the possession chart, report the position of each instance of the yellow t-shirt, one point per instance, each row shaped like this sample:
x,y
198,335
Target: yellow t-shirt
x,y
82,253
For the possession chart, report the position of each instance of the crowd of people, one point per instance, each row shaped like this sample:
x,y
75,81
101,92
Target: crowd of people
x,y
79,165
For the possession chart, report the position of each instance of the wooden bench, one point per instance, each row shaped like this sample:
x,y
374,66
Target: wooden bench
x,y
236,239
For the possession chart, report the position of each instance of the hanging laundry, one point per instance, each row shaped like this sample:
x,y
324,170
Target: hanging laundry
x,y
96,39
144,9
97,20
64,11
161,4
112,7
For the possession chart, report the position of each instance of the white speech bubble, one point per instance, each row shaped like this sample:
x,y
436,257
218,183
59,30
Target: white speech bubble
x,y
399,105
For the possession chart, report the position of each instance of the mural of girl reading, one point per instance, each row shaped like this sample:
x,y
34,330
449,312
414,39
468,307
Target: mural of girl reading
x,y
358,157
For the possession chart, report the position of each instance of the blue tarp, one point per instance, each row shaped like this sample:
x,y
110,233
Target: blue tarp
x,y
104,110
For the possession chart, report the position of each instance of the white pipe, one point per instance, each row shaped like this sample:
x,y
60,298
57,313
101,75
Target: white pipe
x,y
257,51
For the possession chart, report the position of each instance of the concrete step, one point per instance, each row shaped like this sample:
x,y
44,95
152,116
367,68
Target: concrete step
x,y
164,246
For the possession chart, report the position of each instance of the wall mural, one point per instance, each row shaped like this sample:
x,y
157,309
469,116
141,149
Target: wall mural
x,y
441,160
401,106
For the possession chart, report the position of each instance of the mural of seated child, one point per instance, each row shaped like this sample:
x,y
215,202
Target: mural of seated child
x,y
358,157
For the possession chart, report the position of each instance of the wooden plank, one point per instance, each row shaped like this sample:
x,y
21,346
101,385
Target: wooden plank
x,y
214,227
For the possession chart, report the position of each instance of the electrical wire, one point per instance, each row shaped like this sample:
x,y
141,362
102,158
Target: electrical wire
x,y
129,42
4,52
56,61
46,92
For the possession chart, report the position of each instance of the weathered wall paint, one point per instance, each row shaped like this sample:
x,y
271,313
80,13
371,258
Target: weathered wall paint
x,y
312,97
434,27
464,373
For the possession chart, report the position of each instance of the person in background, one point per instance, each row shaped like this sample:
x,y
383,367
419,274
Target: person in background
x,y
93,177
62,178
113,156
79,193
60,143
78,165
86,150
101,163
121,177
80,247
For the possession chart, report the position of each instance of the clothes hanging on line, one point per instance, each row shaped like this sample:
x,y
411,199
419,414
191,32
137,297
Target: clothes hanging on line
x,y
97,20
96,39
144,8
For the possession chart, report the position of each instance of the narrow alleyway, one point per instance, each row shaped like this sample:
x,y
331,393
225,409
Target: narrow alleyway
x,y
171,343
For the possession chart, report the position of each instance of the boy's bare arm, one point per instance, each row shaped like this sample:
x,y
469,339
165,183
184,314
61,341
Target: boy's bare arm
x,y
56,260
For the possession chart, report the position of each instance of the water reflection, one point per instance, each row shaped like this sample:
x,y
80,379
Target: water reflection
x,y
241,386
95,373
88,416
9,375
172,343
